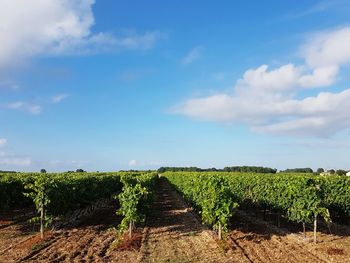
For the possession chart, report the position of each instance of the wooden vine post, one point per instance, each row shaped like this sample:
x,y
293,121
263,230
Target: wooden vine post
x,y
130,229
42,220
279,219
220,231
315,229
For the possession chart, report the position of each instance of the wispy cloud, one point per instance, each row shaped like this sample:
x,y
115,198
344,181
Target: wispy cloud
x,y
133,163
267,100
67,164
24,106
219,76
9,85
58,98
11,160
3,141
106,42
319,7
324,144
193,55
34,108
14,160
134,74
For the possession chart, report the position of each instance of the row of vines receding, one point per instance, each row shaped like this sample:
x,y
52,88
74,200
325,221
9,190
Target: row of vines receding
x,y
298,198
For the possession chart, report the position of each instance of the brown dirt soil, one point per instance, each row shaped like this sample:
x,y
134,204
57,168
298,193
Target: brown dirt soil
x,y
255,240
35,240
127,243
16,235
173,233
90,241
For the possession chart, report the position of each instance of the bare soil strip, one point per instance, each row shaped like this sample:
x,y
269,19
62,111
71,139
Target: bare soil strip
x,y
255,240
173,233
14,235
91,241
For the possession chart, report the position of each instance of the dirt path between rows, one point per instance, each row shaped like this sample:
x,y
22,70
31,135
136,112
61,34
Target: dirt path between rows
x,y
173,233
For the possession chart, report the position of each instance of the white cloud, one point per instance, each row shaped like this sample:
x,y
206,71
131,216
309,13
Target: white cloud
x,y
269,100
322,115
133,163
58,98
54,27
329,48
13,160
193,55
3,141
325,114
283,78
24,106
320,77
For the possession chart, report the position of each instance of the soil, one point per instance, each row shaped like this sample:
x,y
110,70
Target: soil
x,y
256,240
91,241
16,235
173,233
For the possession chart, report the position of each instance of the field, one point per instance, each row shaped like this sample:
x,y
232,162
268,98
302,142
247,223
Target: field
x,y
176,217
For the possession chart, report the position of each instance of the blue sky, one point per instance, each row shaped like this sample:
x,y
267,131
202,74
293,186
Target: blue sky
x,y
111,85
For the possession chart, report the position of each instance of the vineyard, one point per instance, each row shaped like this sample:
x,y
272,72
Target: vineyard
x,y
300,198
144,216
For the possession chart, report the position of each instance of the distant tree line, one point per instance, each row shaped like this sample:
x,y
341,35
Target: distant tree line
x,y
43,171
246,169
298,170
137,171
184,169
340,172
77,171
318,171
250,169
337,172
7,172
